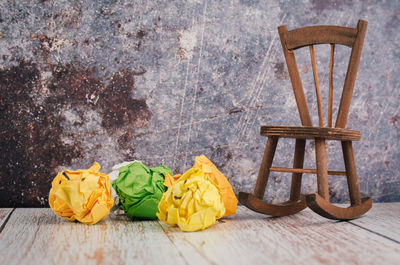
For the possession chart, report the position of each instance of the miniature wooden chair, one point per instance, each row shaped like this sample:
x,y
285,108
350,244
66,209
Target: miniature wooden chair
x,y
318,202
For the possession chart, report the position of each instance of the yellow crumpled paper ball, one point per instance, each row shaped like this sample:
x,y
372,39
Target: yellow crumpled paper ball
x,y
212,172
193,202
83,195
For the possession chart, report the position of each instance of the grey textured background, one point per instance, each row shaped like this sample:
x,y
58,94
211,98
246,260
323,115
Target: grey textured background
x,y
164,81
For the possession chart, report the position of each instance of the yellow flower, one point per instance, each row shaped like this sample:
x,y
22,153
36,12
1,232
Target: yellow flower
x,y
193,202
83,195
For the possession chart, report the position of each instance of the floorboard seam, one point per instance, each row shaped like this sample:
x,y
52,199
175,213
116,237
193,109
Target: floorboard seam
x,y
376,233
199,251
193,246
180,253
3,225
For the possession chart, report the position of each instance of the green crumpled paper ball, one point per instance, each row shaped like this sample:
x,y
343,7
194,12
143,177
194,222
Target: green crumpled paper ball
x,y
140,189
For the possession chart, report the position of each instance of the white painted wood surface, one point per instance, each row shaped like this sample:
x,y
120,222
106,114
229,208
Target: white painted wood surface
x,y
4,213
38,236
383,218
304,238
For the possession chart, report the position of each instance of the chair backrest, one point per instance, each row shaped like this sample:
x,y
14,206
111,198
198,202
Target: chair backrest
x,y
308,36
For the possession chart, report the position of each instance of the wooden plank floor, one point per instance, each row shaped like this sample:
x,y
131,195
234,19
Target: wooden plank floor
x,y
383,219
4,215
38,236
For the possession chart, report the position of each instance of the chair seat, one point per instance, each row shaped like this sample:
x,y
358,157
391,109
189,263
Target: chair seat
x,y
308,132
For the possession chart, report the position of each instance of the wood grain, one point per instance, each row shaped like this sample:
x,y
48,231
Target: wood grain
x,y
304,238
322,168
316,83
305,36
4,214
308,132
38,236
326,209
351,75
330,100
295,79
305,170
350,165
273,209
263,173
298,163
383,218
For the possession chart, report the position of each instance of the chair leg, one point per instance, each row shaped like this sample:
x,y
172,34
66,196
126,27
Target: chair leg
x,y
255,201
263,173
298,161
350,165
319,202
322,168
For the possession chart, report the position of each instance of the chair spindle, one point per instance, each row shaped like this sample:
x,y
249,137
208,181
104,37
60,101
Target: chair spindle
x,y
330,103
317,90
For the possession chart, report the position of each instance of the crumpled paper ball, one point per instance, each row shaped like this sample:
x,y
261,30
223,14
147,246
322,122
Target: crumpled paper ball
x,y
170,180
82,195
193,202
212,172
113,175
140,189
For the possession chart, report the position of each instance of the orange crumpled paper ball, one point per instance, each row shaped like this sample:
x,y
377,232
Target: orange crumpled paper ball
x,y
83,195
211,172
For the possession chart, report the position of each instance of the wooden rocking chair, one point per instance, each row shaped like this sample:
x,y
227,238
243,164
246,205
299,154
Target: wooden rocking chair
x,y
318,202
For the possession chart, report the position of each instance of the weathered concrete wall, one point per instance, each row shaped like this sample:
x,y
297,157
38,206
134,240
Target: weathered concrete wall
x,y
163,82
